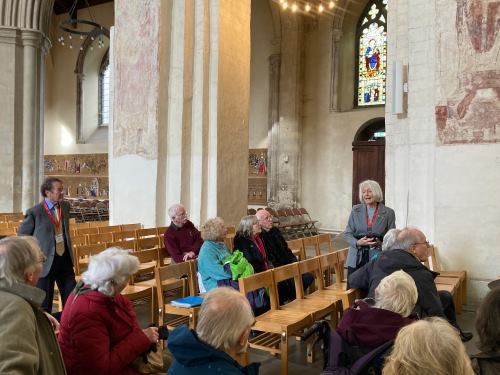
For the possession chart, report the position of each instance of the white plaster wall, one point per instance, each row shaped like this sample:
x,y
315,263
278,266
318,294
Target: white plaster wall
x,y
60,90
448,191
262,34
326,166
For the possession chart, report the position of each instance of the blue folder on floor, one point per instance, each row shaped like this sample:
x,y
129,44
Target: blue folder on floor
x,y
190,301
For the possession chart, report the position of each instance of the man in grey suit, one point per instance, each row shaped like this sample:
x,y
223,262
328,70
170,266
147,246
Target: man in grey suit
x,y
48,222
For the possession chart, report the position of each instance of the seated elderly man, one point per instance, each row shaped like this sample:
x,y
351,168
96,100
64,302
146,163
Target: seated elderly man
x,y
182,239
28,344
221,334
279,254
408,252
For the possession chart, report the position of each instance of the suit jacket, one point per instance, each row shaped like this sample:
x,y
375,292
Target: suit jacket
x,y
37,223
357,227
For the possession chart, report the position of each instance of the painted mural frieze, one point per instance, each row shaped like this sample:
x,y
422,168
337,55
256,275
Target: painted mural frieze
x,y
136,81
468,109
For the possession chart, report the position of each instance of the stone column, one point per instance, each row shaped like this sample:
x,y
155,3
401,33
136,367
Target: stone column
x,y
191,62
334,78
23,45
273,123
289,151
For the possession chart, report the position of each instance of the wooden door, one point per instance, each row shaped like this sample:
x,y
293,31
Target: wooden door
x,y
368,164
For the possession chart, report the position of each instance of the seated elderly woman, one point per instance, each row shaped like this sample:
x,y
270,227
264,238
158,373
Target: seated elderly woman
x,y
221,335
364,327
429,346
488,329
247,240
28,344
212,253
99,332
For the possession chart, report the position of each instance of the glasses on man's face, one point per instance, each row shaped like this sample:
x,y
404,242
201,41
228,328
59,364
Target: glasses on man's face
x,y
426,243
269,218
42,259
182,216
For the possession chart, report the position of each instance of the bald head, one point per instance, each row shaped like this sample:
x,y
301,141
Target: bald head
x,y
413,241
265,219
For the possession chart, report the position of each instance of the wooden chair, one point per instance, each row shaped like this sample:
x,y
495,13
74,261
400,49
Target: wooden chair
x,y
136,294
274,326
124,235
330,282
311,242
7,232
125,245
82,254
325,239
85,230
307,218
317,308
297,247
161,230
174,281
100,238
146,232
110,229
230,229
229,241
433,265
131,227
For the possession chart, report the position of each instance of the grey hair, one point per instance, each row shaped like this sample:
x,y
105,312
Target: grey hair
x,y
172,210
397,293
212,229
374,187
18,255
405,239
109,268
224,315
246,224
390,239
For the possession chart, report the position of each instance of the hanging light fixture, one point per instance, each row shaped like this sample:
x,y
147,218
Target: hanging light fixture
x,y
80,29
313,7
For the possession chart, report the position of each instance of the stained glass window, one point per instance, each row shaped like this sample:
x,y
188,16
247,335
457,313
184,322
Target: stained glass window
x,y
103,94
372,54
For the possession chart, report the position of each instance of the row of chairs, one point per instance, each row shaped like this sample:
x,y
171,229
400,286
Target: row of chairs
x,y
327,298
293,222
7,217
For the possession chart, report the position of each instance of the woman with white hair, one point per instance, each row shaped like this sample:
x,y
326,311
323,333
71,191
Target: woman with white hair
x,y
247,241
28,344
99,331
428,347
365,327
367,225
212,253
224,324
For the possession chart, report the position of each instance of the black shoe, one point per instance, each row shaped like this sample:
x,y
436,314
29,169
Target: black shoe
x,y
466,336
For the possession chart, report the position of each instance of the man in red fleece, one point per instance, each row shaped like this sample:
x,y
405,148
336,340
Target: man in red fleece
x,y
182,239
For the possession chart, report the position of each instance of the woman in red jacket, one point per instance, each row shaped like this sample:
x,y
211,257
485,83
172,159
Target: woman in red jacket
x,y
99,332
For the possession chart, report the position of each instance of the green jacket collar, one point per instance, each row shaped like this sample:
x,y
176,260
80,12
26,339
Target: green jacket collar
x,y
33,295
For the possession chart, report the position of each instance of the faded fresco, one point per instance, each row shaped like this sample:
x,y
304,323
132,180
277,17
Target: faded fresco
x,y
468,109
136,65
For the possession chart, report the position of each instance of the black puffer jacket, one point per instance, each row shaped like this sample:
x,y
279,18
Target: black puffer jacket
x,y
369,276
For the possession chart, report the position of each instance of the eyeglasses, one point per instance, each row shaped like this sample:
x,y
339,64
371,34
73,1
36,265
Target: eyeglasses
x,y
184,215
426,243
43,259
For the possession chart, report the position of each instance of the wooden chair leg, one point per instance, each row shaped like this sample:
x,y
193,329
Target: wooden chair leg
x,y
284,353
311,354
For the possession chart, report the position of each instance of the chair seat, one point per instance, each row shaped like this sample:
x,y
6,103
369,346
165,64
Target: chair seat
x,y
134,292
278,321
316,307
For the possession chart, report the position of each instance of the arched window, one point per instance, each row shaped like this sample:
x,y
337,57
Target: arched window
x,y
103,91
372,54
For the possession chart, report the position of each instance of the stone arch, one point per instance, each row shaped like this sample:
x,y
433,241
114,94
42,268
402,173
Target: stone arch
x,y
85,48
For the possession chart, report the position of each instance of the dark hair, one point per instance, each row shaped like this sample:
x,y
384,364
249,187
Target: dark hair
x,y
488,322
48,184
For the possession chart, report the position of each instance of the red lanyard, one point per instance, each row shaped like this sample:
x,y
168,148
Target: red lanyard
x,y
369,223
56,223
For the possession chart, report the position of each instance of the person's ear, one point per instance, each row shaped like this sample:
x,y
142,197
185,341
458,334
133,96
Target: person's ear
x,y
29,277
243,339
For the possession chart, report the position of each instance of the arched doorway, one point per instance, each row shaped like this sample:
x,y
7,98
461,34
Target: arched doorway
x,y
368,150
